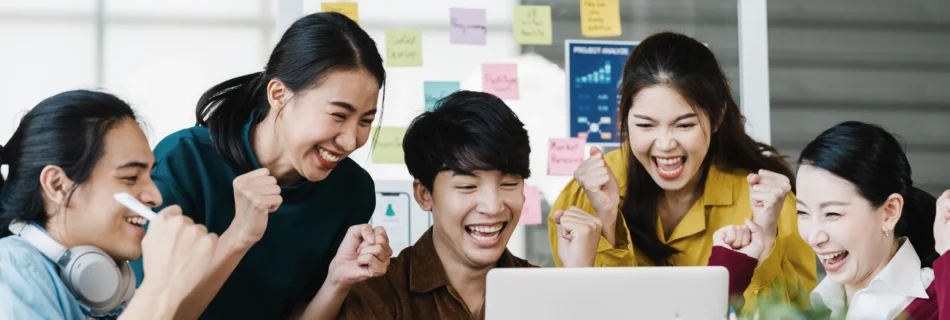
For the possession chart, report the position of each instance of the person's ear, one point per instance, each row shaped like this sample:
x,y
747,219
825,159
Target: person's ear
x,y
892,208
422,195
55,185
277,94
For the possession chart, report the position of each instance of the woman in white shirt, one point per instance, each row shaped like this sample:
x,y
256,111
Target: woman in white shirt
x,y
873,232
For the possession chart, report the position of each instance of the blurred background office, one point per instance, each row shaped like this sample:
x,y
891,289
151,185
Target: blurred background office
x,y
880,61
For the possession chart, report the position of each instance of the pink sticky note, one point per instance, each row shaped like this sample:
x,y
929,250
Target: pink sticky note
x,y
468,26
564,155
501,79
531,212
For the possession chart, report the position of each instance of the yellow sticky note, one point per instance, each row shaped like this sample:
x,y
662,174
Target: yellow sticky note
x,y
600,18
349,9
388,148
404,48
533,24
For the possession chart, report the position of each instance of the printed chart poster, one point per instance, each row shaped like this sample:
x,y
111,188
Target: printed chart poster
x,y
594,71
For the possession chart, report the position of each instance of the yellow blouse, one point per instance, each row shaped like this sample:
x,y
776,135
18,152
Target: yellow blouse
x,y
725,201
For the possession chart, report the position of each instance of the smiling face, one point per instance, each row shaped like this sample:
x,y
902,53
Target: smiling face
x,y
320,126
668,137
92,216
844,228
473,214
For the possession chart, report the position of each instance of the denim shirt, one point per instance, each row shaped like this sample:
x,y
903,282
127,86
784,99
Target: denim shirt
x,y
30,286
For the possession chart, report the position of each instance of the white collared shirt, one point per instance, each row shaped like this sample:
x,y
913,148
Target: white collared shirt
x,y
900,282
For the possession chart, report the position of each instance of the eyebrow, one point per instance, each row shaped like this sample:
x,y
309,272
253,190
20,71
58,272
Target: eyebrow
x,y
682,117
351,108
832,203
466,174
133,164
824,204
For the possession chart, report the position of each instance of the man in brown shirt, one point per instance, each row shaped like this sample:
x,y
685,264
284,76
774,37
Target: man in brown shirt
x,y
469,159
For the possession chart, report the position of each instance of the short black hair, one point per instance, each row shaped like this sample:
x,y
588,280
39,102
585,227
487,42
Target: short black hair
x,y
468,131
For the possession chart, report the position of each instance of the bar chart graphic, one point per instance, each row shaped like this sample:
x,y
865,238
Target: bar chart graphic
x,y
599,76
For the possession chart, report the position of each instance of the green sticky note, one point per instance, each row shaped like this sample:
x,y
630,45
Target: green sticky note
x,y
388,148
436,90
532,24
404,48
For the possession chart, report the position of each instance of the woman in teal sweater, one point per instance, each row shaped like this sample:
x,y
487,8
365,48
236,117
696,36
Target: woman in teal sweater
x,y
267,169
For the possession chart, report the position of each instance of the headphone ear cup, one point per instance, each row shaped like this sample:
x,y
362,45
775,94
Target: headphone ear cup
x,y
126,283
93,278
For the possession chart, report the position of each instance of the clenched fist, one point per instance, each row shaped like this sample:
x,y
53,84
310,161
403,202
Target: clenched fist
x,y
602,189
256,194
578,234
176,253
767,192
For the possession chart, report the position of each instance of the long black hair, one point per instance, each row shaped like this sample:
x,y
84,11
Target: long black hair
x,y
309,50
874,161
66,130
689,68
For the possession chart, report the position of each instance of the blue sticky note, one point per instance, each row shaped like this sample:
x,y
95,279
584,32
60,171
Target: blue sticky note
x,y
435,90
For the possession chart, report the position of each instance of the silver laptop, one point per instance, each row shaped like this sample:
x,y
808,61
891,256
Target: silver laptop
x,y
685,293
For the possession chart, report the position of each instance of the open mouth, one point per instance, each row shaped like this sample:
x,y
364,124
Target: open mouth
x,y
833,261
486,233
136,221
669,168
326,158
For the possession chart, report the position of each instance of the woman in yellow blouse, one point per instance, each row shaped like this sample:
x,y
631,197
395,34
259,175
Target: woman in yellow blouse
x,y
687,168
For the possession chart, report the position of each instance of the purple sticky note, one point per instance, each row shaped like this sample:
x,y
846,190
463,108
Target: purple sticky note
x,y
501,79
468,26
531,211
564,155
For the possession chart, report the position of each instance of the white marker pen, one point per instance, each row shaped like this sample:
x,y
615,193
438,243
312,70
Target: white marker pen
x,y
133,204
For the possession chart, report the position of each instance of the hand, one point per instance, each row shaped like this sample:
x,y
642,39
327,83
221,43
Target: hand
x,y
942,223
363,254
256,194
176,253
578,235
767,191
602,189
746,239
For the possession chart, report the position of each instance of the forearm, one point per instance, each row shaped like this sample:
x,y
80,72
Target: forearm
x,y
150,303
227,255
326,304
609,225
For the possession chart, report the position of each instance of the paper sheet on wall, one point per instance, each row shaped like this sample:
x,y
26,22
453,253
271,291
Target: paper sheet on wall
x,y
600,18
467,26
501,79
564,155
532,25
349,9
531,211
436,90
403,48
388,148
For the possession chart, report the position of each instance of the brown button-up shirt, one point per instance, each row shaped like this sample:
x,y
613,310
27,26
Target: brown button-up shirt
x,y
415,287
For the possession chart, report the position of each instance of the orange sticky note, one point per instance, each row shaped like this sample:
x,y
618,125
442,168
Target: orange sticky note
x,y
349,9
564,155
531,211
